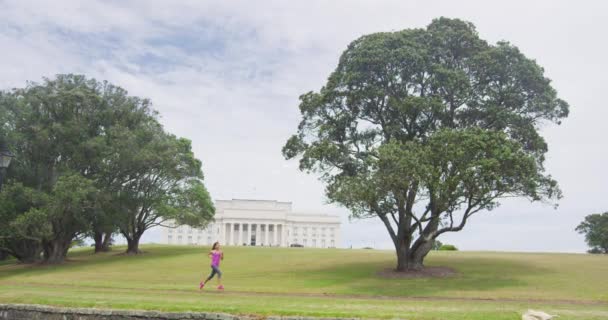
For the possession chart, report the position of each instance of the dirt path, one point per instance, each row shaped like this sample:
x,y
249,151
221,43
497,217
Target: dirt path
x,y
321,295
414,298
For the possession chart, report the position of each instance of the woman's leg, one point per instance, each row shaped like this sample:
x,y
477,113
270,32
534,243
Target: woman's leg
x,y
219,275
213,272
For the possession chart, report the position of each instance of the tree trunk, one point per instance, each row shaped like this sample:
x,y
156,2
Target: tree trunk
x,y
133,245
56,250
102,241
412,257
408,260
417,256
98,238
3,255
401,259
107,240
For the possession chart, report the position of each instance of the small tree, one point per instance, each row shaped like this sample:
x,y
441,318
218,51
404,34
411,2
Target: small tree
x,y
595,229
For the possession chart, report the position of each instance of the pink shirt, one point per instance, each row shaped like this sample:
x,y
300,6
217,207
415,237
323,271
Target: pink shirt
x,y
215,258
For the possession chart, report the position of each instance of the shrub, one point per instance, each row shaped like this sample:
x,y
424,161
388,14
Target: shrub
x,y
448,247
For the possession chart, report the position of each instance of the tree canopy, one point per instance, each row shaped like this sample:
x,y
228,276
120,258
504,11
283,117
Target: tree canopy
x,y
423,128
89,159
595,229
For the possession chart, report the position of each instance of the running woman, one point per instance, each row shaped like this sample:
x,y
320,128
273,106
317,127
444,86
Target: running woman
x,y
216,255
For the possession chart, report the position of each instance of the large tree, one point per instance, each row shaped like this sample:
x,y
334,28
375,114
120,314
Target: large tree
x,y
155,177
74,133
58,128
595,229
424,128
126,116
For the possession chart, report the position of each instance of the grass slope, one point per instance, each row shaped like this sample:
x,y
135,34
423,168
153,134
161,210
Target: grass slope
x,y
290,281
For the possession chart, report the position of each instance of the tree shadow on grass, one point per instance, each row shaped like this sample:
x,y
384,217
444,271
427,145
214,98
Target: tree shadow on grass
x,y
472,274
85,258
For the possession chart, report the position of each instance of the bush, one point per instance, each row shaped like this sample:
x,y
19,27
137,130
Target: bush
x,y
596,251
448,247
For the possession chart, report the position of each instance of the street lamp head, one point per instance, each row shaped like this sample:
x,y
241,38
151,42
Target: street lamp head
x,y
5,156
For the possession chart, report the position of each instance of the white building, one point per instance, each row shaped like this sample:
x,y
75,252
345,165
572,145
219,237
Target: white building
x,y
260,223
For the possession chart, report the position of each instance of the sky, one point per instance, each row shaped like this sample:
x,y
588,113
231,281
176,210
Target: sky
x,y
227,75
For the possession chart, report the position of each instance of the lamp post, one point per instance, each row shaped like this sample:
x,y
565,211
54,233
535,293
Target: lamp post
x,y
5,160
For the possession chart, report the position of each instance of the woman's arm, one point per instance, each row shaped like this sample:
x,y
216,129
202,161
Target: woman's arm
x,y
222,256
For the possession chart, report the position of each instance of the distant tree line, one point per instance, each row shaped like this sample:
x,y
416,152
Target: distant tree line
x,y
90,161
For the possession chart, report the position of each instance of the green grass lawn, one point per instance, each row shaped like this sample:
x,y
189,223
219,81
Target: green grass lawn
x,y
290,281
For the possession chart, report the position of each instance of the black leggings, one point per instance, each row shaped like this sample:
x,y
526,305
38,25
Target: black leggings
x,y
214,270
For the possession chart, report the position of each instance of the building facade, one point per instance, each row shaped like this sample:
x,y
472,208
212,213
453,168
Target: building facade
x,y
259,223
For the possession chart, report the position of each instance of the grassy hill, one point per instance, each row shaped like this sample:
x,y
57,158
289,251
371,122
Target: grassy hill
x,y
318,282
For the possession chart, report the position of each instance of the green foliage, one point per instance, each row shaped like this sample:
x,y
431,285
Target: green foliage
x,y
17,234
595,229
94,156
159,180
423,128
448,247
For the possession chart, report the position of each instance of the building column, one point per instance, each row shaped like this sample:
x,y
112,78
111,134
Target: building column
x,y
218,236
241,234
248,236
258,234
275,231
222,238
227,233
234,234
266,237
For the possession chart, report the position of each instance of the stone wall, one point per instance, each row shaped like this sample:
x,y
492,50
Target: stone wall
x,y
27,312
37,312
